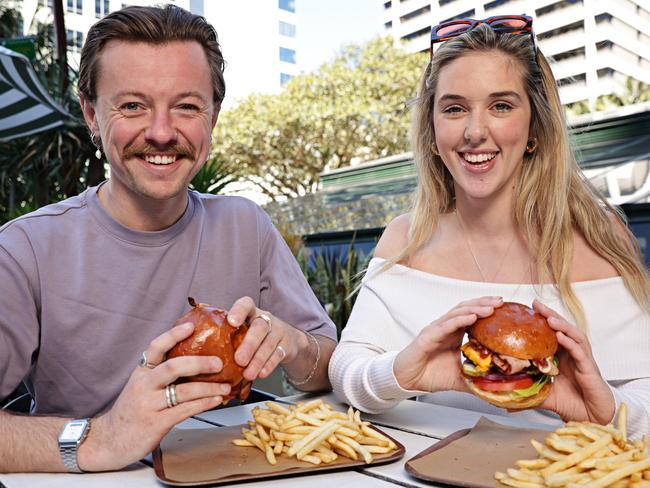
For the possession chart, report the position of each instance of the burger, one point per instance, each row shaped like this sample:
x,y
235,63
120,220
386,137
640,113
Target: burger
x,y
509,359
214,336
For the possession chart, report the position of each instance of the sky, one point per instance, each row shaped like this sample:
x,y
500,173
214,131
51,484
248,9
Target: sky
x,y
324,26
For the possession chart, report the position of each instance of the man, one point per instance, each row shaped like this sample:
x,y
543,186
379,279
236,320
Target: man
x,y
91,282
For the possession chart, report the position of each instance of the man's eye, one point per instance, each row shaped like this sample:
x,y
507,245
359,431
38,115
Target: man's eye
x,y
189,106
130,106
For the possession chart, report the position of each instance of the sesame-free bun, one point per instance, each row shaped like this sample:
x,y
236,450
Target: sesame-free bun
x,y
503,399
516,330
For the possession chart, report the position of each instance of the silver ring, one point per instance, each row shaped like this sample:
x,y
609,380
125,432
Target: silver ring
x,y
281,349
170,395
267,319
143,363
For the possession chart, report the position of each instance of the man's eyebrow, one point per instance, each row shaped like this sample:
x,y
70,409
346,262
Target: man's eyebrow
x,y
194,94
136,94
144,96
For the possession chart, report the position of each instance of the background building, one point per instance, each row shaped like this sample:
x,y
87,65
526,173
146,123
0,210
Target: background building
x,y
595,44
258,37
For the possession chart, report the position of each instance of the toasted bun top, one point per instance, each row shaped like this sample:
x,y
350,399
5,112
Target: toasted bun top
x,y
515,330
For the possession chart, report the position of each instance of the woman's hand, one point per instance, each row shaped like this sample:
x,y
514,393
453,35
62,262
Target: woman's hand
x,y
432,361
140,417
579,392
267,343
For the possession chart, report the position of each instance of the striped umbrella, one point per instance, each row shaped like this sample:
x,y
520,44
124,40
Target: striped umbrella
x,y
25,106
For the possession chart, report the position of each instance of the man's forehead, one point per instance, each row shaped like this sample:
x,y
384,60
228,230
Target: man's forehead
x,y
125,65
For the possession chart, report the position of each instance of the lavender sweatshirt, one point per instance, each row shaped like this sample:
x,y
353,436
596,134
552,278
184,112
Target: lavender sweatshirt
x,y
81,296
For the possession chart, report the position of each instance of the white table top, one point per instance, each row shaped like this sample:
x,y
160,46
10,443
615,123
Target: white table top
x,y
416,425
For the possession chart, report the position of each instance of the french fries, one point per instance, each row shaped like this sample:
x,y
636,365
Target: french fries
x,y
312,432
585,455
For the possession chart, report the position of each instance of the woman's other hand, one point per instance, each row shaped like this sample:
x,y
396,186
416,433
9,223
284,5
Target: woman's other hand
x,y
579,391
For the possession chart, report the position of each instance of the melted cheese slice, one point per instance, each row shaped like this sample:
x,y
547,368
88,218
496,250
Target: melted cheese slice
x,y
482,364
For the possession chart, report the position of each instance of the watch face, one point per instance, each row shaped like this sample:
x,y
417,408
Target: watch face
x,y
73,431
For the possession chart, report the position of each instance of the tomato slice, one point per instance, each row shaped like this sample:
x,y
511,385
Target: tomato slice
x,y
502,385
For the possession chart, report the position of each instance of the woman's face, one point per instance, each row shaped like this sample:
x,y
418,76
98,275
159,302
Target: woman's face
x,y
481,121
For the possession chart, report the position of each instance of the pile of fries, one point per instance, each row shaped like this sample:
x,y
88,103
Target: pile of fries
x,y
312,432
585,455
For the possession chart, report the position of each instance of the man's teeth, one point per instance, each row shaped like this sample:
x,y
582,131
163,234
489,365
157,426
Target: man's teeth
x,y
478,158
158,159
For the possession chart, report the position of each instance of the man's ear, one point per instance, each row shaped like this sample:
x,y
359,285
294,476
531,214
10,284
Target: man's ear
x,y
215,114
90,115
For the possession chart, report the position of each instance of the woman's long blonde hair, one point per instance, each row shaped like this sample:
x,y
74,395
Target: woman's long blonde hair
x,y
551,195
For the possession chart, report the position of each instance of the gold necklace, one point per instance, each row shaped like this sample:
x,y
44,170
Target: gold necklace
x,y
469,247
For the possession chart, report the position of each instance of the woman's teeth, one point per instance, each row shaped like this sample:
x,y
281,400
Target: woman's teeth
x,y
478,158
158,159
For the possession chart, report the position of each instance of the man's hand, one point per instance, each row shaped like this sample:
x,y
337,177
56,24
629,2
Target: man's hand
x,y
140,417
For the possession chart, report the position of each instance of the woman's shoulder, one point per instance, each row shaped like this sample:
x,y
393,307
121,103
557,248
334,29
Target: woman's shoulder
x,y
587,264
394,238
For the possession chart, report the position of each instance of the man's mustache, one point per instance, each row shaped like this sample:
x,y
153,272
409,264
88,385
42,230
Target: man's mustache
x,y
180,150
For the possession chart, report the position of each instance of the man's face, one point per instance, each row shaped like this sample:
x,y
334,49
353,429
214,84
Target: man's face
x,y
155,114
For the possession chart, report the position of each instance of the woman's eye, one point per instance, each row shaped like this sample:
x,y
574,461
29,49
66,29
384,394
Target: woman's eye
x,y
454,109
502,107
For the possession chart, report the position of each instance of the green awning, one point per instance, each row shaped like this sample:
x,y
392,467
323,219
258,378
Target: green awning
x,y
25,106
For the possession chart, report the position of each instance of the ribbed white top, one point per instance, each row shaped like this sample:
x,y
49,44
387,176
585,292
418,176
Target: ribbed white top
x,y
393,306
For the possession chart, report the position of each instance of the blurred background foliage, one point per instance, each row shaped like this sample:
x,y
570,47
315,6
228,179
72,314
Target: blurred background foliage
x,y
352,109
51,165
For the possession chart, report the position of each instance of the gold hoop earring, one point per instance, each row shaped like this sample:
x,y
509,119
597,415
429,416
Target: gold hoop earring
x,y
434,149
531,145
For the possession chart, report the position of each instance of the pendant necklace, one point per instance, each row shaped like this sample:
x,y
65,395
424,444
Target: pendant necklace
x,y
469,248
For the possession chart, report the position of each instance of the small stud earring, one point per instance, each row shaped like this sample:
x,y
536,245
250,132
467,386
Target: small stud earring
x,y
531,145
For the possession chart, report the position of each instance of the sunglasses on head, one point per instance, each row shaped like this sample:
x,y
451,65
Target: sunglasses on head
x,y
511,24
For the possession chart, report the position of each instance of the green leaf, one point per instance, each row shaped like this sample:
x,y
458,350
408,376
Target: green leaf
x,y
533,389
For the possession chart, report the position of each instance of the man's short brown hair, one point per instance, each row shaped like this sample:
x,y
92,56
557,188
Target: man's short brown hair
x,y
154,25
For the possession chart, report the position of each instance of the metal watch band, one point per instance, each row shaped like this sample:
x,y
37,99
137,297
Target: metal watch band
x,y
69,458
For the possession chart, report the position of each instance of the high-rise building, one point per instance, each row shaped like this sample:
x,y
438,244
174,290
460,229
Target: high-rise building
x,y
258,38
594,45
259,44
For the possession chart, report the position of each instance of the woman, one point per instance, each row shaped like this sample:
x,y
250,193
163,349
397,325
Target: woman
x,y
502,212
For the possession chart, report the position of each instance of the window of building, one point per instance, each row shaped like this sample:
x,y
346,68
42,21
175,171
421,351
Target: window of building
x,y
495,4
101,8
556,6
575,26
287,55
445,2
288,5
75,6
600,18
43,3
287,29
388,24
415,13
284,78
74,40
571,80
569,54
464,15
388,5
422,32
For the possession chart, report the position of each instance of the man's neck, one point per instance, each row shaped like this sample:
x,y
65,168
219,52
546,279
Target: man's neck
x,y
140,213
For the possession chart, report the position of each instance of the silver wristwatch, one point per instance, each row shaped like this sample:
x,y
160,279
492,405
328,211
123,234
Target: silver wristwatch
x,y
72,435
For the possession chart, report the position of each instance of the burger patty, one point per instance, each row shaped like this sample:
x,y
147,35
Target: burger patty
x,y
508,365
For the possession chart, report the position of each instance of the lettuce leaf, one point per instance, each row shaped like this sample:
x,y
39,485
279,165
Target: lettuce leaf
x,y
532,389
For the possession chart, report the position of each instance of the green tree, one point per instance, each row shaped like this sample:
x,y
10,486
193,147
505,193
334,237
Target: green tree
x,y
351,109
